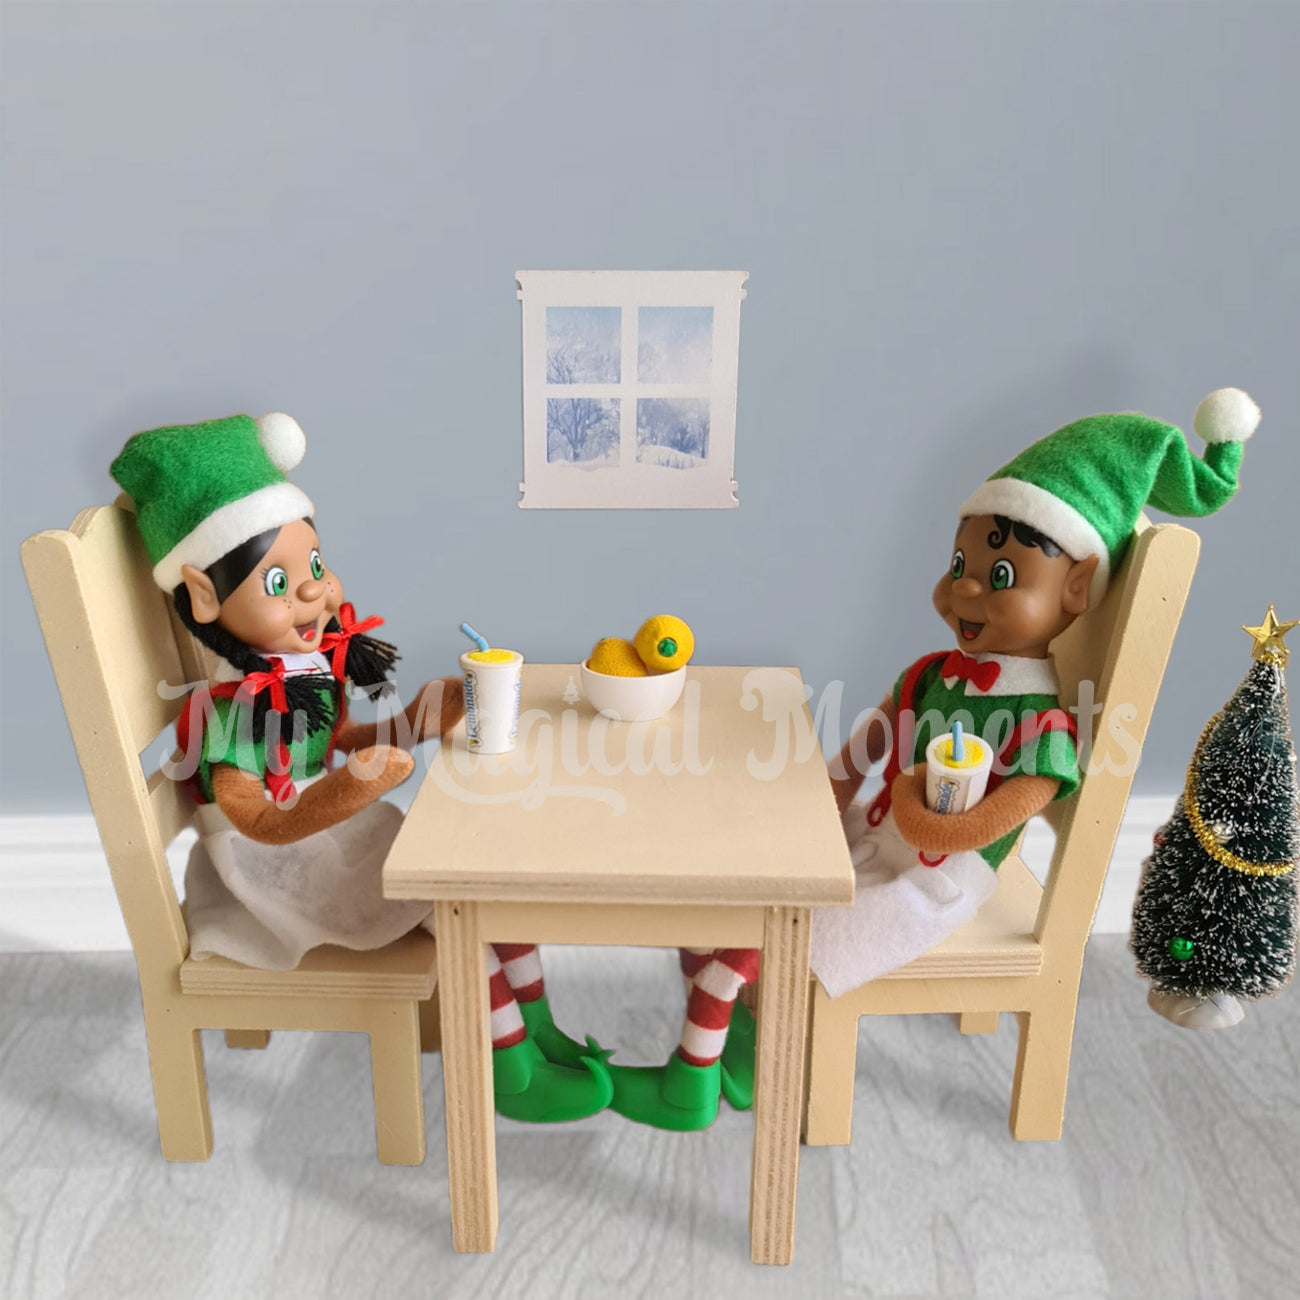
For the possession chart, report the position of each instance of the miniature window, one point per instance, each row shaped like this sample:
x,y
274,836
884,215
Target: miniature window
x,y
630,388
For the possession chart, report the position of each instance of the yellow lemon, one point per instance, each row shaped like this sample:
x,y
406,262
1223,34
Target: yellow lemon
x,y
665,643
616,658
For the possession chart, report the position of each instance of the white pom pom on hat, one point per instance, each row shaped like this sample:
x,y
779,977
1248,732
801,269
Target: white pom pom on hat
x,y
285,443
1227,415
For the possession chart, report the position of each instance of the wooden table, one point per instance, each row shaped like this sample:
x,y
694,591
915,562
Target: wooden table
x,y
714,826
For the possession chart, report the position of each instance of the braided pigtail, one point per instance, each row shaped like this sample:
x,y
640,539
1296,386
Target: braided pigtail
x,y
303,694
369,661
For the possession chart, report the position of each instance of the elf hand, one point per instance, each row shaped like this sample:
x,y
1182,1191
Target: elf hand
x,y
438,706
1012,804
370,773
864,748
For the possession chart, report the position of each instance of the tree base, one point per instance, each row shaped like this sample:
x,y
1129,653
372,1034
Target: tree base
x,y
1218,1011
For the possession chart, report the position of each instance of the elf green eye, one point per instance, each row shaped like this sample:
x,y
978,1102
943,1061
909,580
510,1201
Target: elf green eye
x,y
1002,575
275,581
317,565
958,565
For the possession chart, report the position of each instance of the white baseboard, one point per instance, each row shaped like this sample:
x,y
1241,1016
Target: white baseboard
x,y
56,894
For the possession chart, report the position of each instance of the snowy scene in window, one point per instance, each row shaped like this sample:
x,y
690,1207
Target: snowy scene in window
x,y
630,388
674,345
583,345
672,432
582,430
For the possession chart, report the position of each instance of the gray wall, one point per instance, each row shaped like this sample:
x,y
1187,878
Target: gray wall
x,y
964,225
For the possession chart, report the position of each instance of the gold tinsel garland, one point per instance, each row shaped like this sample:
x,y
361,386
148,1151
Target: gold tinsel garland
x,y
1205,836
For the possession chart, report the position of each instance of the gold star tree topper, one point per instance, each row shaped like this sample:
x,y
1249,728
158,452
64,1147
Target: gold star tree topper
x,y
1268,637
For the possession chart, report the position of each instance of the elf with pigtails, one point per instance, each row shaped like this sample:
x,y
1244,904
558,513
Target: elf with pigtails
x,y
291,847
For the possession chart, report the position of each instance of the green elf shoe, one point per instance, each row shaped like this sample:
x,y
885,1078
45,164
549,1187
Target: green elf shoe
x,y
529,1087
557,1046
738,1058
676,1096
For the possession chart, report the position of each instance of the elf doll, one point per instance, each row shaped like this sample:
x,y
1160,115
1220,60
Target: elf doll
x,y
1036,546
291,846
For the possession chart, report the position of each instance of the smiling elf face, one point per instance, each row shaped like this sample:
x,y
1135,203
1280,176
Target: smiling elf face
x,y
283,605
1002,596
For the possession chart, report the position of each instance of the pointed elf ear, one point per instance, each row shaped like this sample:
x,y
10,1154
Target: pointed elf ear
x,y
1074,595
203,594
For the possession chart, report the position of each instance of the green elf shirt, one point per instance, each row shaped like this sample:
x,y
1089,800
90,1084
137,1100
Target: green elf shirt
x,y
227,735
1011,703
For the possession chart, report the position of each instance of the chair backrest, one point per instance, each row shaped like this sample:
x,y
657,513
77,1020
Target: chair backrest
x,y
112,638
1121,648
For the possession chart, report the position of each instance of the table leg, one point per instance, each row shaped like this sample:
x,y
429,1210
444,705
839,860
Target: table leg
x,y
467,1076
778,1091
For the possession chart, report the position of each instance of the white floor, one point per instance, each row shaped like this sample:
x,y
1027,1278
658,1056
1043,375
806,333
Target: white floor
x,y
1177,1175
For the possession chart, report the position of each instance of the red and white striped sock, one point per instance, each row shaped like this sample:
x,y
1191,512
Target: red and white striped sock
x,y
718,978
523,968
507,1023
692,961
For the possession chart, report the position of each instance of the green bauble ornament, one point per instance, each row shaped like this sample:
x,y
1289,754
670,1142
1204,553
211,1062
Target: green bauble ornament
x,y
1181,949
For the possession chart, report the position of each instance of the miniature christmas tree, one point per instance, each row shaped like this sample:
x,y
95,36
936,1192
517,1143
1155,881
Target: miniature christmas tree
x,y
1215,916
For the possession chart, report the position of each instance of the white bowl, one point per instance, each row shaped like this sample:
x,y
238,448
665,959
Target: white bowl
x,y
633,699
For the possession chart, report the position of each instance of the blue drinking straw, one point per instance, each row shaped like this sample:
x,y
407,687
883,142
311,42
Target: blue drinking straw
x,y
474,636
958,749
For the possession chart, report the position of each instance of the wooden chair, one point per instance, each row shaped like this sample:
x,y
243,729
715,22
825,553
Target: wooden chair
x,y
113,640
1023,952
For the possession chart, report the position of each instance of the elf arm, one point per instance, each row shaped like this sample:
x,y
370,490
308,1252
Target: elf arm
x,y
324,803
1012,804
872,741
438,706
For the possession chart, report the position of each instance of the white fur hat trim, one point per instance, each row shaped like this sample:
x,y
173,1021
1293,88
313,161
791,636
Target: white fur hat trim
x,y
230,526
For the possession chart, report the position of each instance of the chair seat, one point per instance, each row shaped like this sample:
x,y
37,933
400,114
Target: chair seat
x,y
997,941
404,969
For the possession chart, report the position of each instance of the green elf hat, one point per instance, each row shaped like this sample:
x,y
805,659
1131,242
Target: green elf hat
x,y
200,490
1085,485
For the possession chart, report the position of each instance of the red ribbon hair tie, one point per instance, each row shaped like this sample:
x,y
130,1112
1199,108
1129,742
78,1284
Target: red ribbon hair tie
x,y
280,783
336,643
255,683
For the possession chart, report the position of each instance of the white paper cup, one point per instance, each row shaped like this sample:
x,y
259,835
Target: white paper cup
x,y
491,702
956,789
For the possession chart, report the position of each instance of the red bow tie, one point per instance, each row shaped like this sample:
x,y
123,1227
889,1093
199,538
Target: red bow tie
x,y
337,642
966,669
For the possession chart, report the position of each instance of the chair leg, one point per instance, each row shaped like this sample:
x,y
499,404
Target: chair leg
x,y
431,1024
180,1087
248,1039
832,1065
399,1091
1042,1070
978,1022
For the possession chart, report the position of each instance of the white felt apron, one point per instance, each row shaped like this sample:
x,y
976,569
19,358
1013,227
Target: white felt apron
x,y
265,905
901,907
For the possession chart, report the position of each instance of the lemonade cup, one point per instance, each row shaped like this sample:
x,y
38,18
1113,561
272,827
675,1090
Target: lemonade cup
x,y
492,682
953,786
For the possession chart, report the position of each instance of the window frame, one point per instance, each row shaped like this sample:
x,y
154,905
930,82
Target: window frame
x,y
631,485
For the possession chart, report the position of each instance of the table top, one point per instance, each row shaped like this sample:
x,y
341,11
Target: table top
x,y
724,801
